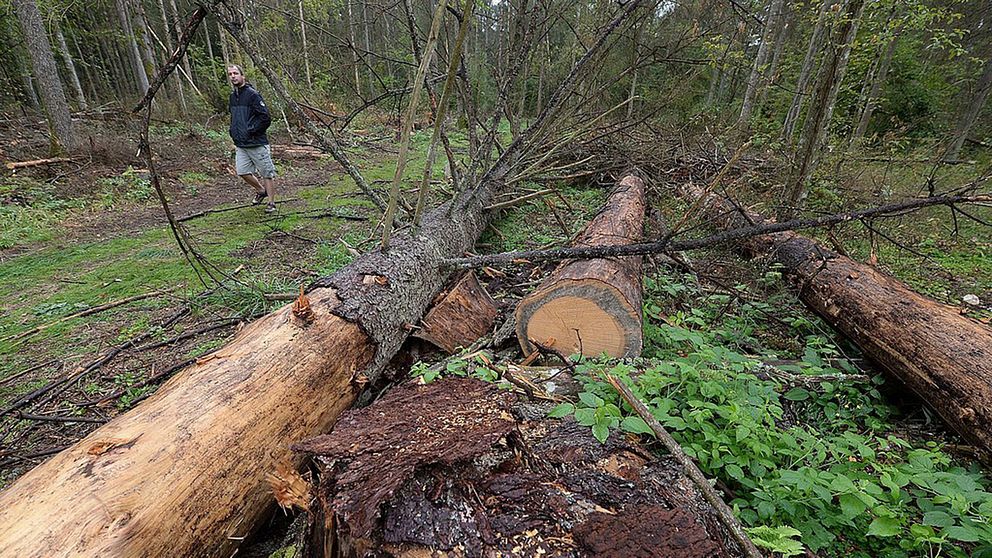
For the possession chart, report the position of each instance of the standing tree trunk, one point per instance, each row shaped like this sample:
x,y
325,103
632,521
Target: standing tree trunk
x,y
47,74
223,46
132,46
761,58
821,108
814,48
168,43
781,35
176,24
354,48
70,67
971,112
143,31
306,51
877,80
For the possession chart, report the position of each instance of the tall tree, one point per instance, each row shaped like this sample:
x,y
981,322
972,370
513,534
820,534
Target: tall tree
x,y
137,66
46,73
971,111
802,83
70,66
874,86
761,60
821,106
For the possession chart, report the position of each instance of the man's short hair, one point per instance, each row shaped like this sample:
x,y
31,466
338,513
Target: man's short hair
x,y
239,68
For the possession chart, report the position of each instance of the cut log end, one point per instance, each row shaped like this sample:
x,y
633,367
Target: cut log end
x,y
588,317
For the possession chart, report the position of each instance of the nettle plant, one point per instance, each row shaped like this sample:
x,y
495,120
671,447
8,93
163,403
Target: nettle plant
x,y
806,463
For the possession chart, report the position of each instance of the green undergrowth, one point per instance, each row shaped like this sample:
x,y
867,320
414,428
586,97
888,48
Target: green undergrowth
x,y
531,225
808,463
811,457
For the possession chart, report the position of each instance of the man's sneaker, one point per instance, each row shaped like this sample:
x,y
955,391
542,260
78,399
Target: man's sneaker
x,y
259,196
271,208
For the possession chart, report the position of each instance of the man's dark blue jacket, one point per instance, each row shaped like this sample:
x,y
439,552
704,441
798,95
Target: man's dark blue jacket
x,y
249,117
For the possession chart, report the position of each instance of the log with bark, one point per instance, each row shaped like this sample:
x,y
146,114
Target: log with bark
x,y
453,468
183,474
942,356
593,306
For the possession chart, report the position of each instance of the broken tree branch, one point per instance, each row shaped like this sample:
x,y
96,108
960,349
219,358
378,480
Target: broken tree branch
x,y
668,245
87,312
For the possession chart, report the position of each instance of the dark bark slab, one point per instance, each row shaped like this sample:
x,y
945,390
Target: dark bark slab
x,y
460,316
447,468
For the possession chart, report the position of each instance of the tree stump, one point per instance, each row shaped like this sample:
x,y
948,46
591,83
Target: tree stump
x,y
445,469
591,307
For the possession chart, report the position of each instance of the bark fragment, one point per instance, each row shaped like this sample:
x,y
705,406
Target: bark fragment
x,y
460,316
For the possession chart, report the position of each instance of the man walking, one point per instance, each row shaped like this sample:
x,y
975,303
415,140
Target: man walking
x,y
249,121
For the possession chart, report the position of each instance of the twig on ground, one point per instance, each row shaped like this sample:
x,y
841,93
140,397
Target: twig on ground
x,y
199,214
88,312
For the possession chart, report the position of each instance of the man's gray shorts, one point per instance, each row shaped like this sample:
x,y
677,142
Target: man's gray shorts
x,y
254,160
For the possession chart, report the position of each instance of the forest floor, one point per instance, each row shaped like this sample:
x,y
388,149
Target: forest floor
x,y
843,461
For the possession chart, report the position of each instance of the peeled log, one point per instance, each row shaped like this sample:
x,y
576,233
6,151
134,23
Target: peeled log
x,y
593,306
944,357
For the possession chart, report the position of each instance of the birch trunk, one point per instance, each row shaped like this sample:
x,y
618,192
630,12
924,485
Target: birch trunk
x,y
802,83
821,108
70,67
134,54
761,58
871,99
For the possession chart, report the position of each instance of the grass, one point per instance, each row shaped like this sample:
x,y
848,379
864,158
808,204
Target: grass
x,y
56,278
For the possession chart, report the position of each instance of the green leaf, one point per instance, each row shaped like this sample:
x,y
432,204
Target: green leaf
x,y
585,417
938,518
964,533
796,394
636,425
590,399
734,471
601,432
851,505
884,527
562,410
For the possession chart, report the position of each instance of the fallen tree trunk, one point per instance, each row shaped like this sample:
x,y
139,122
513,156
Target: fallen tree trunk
x,y
944,357
183,474
593,306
